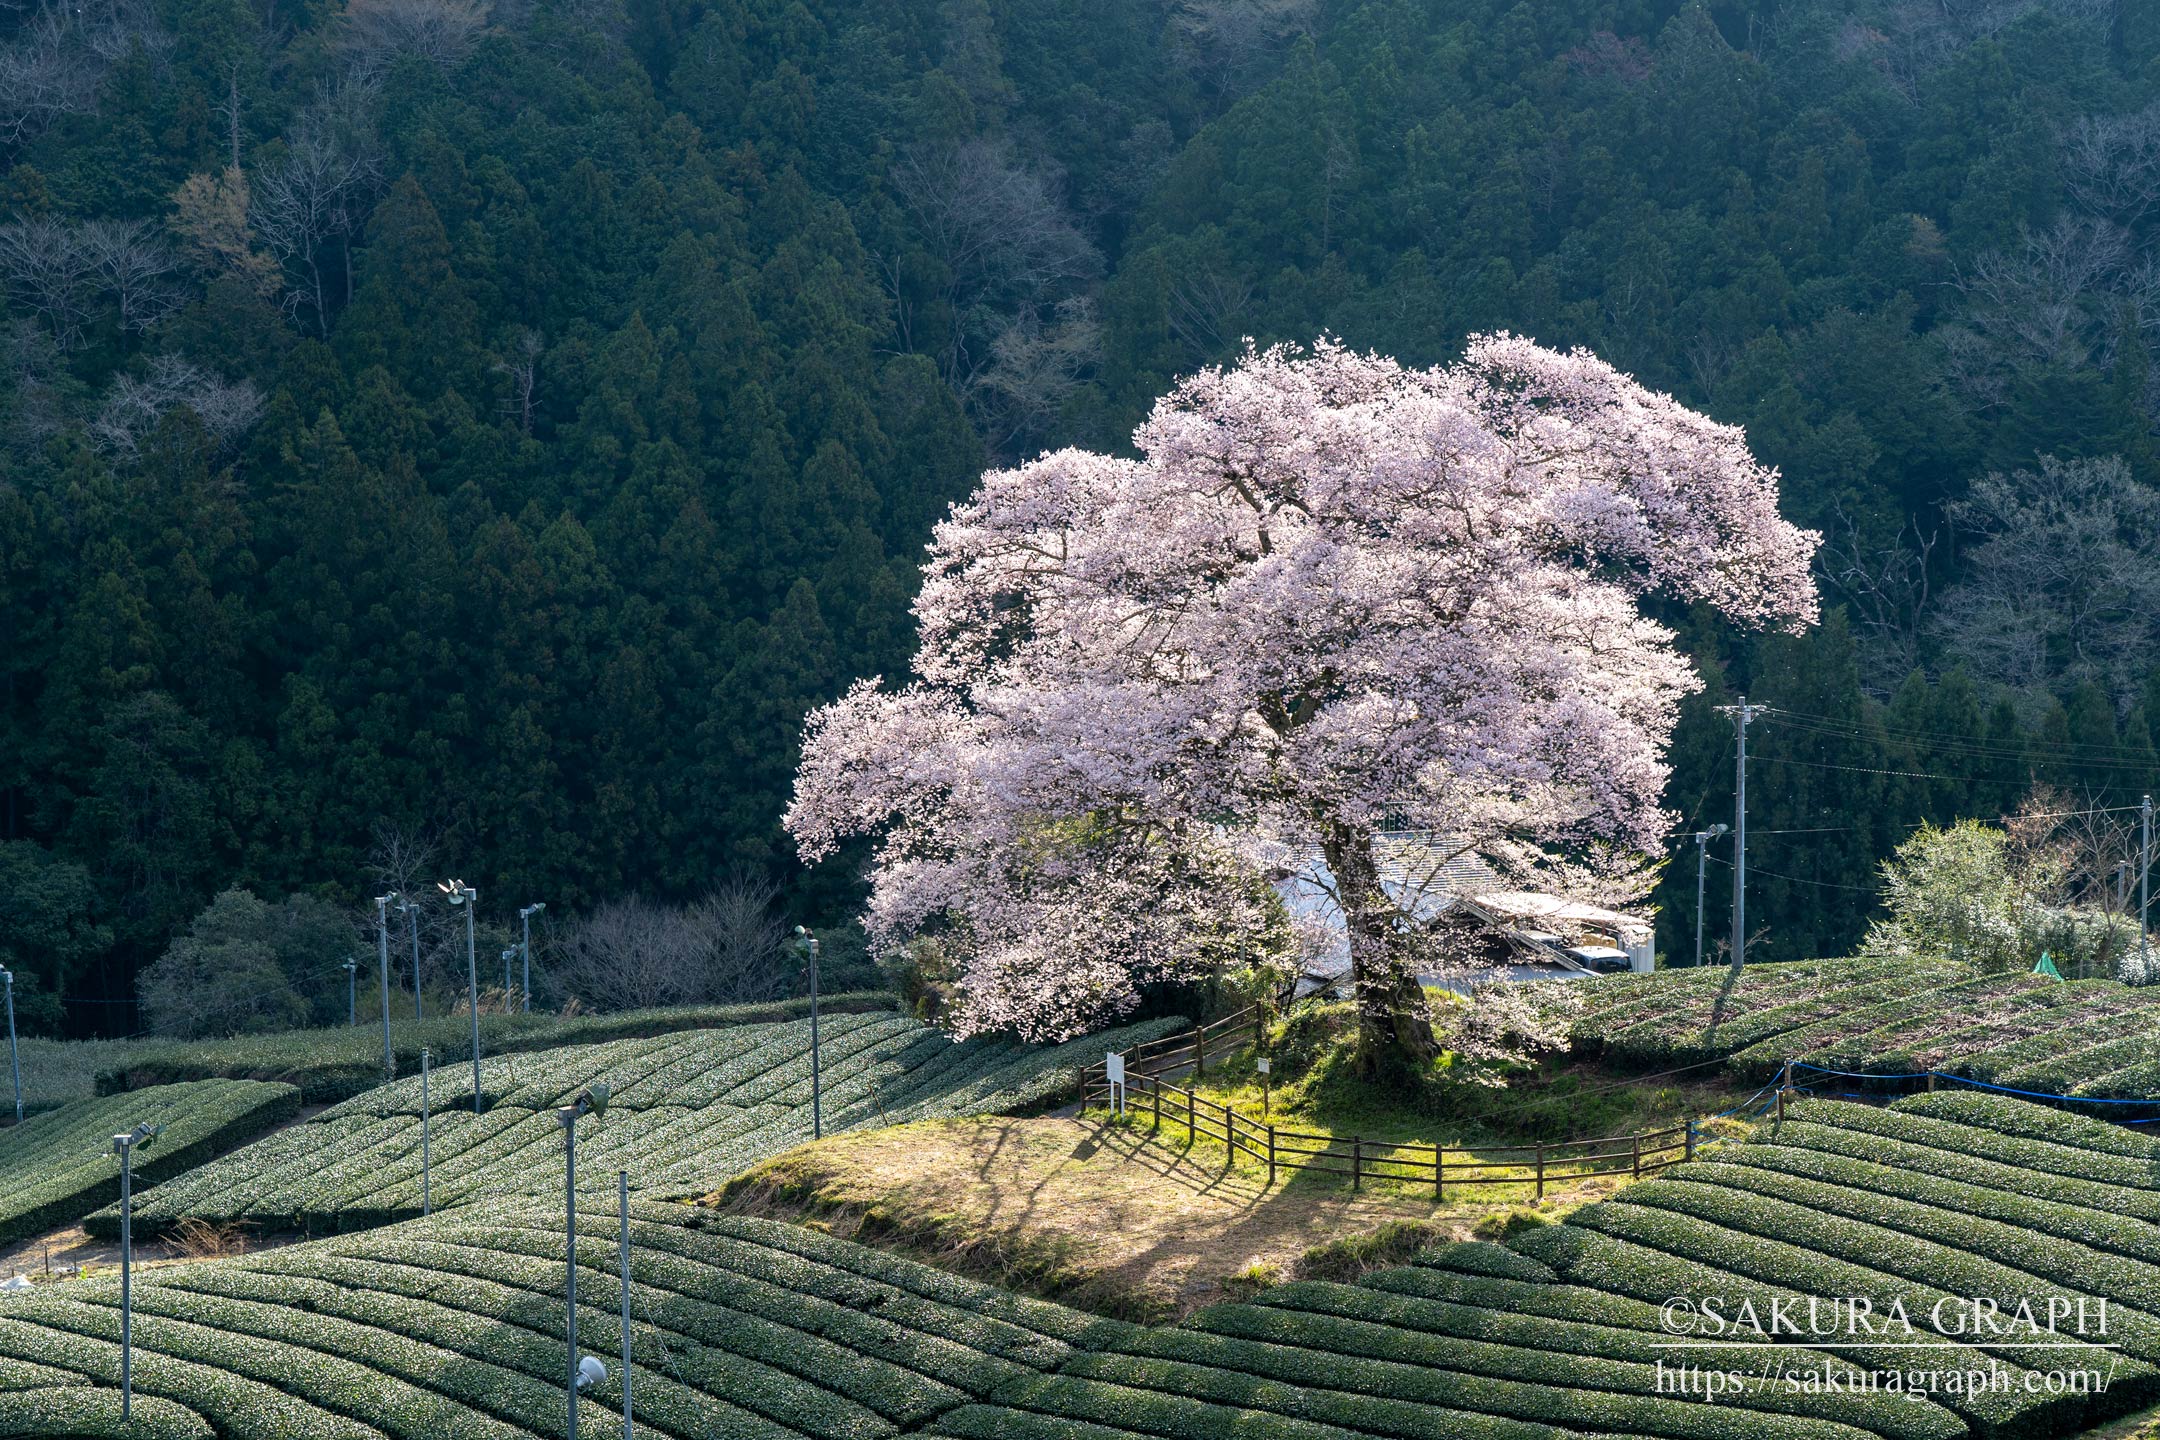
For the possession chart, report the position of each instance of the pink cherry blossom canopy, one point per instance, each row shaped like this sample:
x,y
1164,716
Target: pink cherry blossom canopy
x,y
1331,596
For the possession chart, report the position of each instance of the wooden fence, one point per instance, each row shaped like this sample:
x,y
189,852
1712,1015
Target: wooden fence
x,y
1148,1093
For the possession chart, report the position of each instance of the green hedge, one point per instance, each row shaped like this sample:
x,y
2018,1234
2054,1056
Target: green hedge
x,y
2063,1073
2100,1229
1655,1256
1907,1144
1685,1038
341,1061
59,1166
1070,1398
2006,1256
451,1327
1826,1040
2098,1011
688,1112
2010,1116
1935,1037
1575,1354
77,1412
1386,1366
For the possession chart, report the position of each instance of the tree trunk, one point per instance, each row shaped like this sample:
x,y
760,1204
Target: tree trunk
x,y
1395,1033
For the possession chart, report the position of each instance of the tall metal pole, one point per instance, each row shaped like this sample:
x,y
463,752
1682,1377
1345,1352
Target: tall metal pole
x,y
622,1201
426,1207
125,1144
509,953
352,992
7,979
1741,713
382,940
817,1079
462,894
525,915
568,1116
124,1147
2145,879
1702,861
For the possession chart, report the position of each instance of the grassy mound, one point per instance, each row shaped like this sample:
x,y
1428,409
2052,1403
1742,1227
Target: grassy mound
x,y
688,1112
59,1166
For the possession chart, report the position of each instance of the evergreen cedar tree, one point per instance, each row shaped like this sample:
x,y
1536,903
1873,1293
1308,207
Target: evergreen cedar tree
x,y
1330,596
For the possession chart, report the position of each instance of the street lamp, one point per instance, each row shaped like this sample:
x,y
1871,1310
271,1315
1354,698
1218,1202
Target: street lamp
x,y
382,940
817,1103
509,953
7,979
1702,842
525,944
125,1146
410,908
462,894
352,990
590,1101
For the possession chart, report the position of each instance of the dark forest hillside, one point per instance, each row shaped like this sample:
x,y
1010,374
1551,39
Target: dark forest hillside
x,y
502,423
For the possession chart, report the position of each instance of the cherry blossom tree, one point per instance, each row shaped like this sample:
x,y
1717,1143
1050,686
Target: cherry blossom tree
x,y
1331,597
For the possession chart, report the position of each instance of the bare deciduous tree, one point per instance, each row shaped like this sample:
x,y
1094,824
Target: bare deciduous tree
x,y
998,228
1228,42
2050,302
1035,366
136,268
2112,164
134,405
316,196
633,953
441,32
1886,591
2064,582
746,936
50,271
210,215
522,368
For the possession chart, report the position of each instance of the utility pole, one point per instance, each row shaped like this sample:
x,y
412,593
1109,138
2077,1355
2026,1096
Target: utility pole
x,y
817,1080
1742,713
7,978
1702,859
352,992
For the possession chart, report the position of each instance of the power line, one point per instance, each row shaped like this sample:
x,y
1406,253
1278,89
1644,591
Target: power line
x,y
1800,880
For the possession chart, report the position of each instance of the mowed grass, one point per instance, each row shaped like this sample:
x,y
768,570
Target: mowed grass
x,y
1099,1216
688,1111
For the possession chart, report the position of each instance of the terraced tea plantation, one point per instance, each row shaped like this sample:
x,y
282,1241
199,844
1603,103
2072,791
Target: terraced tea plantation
x,y
743,1327
2092,1038
59,1166
687,1112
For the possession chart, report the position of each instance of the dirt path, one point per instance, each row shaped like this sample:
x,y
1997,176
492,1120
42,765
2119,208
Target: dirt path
x,y
1093,1214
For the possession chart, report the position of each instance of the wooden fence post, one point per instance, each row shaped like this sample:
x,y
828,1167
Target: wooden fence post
x,y
1439,1173
1635,1143
1357,1162
1931,1081
1784,1084
1199,1067
1541,1172
1156,1081
1192,1130
1271,1156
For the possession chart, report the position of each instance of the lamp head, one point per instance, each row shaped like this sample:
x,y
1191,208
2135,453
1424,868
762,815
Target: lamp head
x,y
458,891
533,909
136,1139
